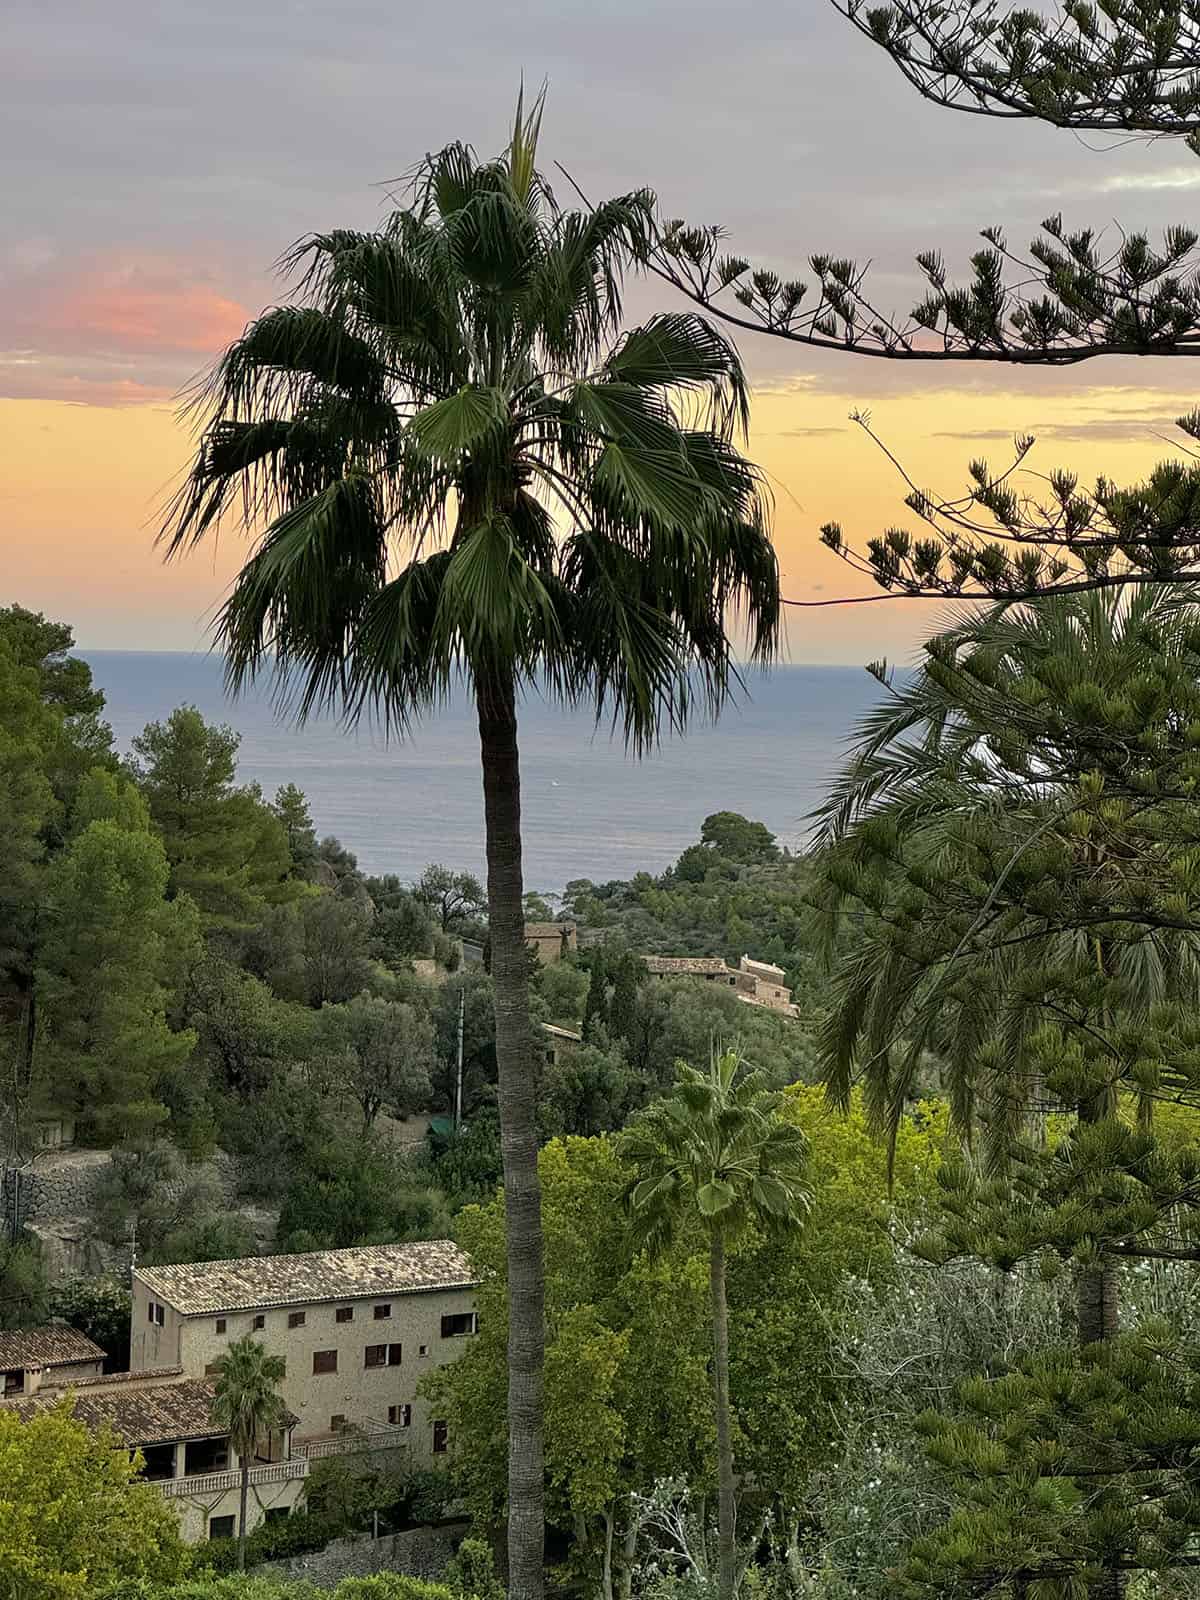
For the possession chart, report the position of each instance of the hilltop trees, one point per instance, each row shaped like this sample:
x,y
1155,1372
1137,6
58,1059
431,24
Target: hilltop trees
x,y
460,371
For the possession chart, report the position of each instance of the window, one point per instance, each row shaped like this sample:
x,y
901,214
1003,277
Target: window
x,y
275,1513
14,1383
296,1319
155,1313
259,1322
324,1361
337,1422
458,1322
383,1355
220,1527
220,1324
424,1350
440,1437
400,1416
344,1314
383,1311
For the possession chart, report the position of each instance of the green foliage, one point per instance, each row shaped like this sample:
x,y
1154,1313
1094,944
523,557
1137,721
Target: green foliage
x,y
101,1308
471,1572
23,1289
73,1518
379,1052
104,956
356,1190
227,850
454,899
467,1164
291,807
737,838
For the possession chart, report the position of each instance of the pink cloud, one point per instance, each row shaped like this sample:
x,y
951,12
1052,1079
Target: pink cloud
x,y
113,325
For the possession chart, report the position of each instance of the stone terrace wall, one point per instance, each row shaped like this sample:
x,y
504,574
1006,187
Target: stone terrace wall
x,y
420,1552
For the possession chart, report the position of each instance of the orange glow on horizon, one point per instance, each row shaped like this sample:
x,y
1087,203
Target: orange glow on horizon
x,y
84,487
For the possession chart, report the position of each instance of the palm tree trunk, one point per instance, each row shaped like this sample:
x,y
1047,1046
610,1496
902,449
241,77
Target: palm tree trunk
x,y
725,1502
245,1464
496,704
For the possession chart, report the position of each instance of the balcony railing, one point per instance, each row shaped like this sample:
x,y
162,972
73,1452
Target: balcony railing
x,y
352,1441
203,1483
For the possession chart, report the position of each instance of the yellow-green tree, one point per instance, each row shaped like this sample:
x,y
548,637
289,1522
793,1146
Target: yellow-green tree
x,y
74,1520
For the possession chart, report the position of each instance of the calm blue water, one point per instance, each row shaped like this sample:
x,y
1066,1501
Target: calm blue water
x,y
589,810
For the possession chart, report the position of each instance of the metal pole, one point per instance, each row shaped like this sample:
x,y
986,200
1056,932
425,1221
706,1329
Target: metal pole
x,y
462,1006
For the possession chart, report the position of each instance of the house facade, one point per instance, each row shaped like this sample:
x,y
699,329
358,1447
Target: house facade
x,y
755,983
53,1355
357,1329
167,1416
551,940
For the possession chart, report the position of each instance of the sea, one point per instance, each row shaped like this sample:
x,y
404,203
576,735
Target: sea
x,y
589,810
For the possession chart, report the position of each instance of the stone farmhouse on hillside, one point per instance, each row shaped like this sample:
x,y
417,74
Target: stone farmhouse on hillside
x,y
551,940
356,1328
755,983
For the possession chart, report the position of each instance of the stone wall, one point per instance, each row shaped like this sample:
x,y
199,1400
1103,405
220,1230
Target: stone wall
x,y
55,1200
420,1552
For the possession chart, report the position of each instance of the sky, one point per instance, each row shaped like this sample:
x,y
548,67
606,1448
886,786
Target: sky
x,y
156,158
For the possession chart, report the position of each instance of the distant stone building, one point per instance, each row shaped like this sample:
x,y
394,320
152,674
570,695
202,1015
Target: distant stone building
x,y
755,983
551,940
46,1357
357,1328
560,1041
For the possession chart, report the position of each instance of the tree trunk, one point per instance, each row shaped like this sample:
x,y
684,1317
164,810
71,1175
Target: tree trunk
x,y
1097,1317
496,704
242,1514
726,1514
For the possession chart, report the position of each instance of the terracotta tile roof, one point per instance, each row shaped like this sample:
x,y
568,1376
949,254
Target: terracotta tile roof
x,y
254,1281
137,1416
699,965
55,1345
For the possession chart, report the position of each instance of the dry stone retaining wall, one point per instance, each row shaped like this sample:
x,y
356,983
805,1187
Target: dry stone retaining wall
x,y
419,1552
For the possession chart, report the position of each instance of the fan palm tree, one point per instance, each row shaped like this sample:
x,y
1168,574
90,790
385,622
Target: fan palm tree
x,y
715,1153
460,472
247,1405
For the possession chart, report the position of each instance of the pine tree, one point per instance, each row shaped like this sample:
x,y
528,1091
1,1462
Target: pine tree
x,y
1017,844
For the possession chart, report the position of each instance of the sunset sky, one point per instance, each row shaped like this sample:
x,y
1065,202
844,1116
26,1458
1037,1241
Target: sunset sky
x,y
158,157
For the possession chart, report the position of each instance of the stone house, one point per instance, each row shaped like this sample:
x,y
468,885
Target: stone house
x,y
755,983
560,1041
167,1416
551,940
357,1329
46,1357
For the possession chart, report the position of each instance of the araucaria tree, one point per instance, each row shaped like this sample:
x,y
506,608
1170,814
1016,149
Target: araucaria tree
x,y
460,472
248,1404
1015,849
1127,67
715,1154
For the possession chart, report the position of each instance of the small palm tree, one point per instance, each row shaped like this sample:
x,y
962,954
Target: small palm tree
x,y
247,1405
715,1152
461,472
